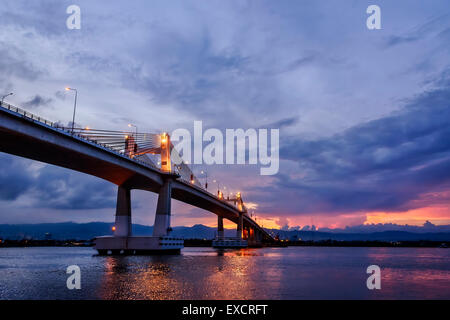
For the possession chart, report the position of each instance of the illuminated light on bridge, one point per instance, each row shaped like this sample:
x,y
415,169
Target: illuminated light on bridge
x,y
122,158
164,138
165,149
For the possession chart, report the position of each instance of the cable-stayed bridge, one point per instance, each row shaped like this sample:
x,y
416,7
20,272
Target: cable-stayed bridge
x,y
131,160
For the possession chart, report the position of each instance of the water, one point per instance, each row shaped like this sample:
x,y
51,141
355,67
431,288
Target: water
x,y
204,273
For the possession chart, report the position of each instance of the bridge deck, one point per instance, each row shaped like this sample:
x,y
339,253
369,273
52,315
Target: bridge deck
x,y
26,135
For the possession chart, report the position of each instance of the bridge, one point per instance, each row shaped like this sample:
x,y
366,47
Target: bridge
x,y
126,159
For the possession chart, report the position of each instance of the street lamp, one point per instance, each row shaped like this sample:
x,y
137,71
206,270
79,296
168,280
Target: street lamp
x,y
132,125
218,185
206,174
6,95
74,105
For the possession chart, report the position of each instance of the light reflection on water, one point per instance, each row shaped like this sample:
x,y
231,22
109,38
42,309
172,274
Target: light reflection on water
x,y
205,273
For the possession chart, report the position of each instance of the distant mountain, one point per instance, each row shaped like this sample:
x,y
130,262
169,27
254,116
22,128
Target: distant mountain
x,y
374,236
427,227
85,231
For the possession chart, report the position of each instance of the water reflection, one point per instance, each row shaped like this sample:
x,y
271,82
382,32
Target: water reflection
x,y
229,274
205,273
274,273
423,273
135,277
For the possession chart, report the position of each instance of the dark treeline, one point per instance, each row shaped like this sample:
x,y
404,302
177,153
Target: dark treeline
x,y
45,243
207,243
354,243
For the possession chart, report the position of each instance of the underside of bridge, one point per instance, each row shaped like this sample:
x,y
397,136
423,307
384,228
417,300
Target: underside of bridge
x,y
173,189
28,138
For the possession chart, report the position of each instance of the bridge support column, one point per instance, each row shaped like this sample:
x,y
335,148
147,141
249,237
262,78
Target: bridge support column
x,y
123,213
163,210
220,231
251,234
240,225
258,236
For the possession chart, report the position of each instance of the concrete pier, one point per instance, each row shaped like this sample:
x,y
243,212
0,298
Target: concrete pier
x,y
220,230
240,226
138,245
163,211
123,213
123,243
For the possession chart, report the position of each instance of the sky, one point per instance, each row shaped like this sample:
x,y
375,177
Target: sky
x,y
364,115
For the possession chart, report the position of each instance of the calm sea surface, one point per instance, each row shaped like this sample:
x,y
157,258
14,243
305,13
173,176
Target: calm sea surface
x,y
204,273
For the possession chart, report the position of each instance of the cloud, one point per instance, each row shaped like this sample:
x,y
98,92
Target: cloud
x,y
287,122
37,101
46,17
431,26
383,164
380,227
52,187
14,180
283,223
311,69
14,63
396,40
62,189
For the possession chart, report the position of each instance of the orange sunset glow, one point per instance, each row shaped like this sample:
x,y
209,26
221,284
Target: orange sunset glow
x,y
416,217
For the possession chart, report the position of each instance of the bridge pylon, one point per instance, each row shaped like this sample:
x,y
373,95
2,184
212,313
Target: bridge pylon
x,y
240,225
163,210
122,227
220,230
124,243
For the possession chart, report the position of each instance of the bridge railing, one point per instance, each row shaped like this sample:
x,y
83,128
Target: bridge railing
x,y
59,126
26,114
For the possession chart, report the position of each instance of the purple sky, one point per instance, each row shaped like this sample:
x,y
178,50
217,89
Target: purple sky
x,y
364,115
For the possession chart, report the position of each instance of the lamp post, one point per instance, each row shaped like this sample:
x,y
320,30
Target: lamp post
x,y
74,105
218,184
132,125
206,182
6,95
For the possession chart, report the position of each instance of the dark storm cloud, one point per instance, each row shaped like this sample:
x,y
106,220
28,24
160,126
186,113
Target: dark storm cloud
x,y
287,122
61,189
431,26
379,165
396,40
37,101
52,187
14,180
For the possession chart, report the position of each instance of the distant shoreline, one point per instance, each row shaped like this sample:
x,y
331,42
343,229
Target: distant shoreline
x,y
207,243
